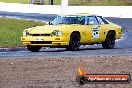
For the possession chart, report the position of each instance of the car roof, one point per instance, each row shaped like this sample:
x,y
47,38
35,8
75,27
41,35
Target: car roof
x,y
81,14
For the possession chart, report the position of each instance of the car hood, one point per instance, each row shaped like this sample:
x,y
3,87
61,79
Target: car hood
x,y
47,29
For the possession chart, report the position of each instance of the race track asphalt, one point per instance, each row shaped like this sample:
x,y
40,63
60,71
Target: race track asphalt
x,y
123,46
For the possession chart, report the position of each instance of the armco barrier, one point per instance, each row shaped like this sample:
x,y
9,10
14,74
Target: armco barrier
x,y
106,11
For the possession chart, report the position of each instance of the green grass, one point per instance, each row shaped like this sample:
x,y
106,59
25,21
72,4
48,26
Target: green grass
x,y
11,31
15,1
82,2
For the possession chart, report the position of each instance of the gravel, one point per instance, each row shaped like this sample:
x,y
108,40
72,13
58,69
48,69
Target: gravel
x,y
60,72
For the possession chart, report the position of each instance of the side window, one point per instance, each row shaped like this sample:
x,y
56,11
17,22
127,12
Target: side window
x,y
92,20
100,20
82,20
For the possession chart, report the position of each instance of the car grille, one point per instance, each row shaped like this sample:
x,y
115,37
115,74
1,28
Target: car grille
x,y
41,42
40,34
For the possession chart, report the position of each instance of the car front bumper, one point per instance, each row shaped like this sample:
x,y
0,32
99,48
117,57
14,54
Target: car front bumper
x,y
44,41
119,35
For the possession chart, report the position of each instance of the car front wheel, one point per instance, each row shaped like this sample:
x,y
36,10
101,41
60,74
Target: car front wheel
x,y
33,48
74,43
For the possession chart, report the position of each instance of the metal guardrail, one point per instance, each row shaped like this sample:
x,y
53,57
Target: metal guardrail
x,y
38,2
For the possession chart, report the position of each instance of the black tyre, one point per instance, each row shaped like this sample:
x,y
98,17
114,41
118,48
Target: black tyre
x,y
109,41
81,80
74,43
33,48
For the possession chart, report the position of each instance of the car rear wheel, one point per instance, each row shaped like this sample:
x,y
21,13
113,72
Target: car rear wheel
x,y
109,41
74,43
34,48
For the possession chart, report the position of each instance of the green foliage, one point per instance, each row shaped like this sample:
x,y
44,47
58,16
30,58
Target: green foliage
x,y
11,31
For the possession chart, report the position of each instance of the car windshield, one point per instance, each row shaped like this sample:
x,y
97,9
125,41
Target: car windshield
x,y
66,20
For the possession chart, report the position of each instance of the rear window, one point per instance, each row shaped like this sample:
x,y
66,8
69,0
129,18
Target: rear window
x,y
101,20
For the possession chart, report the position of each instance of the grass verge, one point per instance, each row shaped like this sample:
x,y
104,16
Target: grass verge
x,y
15,1
11,30
82,2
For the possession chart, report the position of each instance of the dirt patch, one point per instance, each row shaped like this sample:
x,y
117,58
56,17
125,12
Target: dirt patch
x,y
60,72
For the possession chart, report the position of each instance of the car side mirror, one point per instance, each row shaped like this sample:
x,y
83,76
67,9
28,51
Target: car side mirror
x,y
91,23
48,23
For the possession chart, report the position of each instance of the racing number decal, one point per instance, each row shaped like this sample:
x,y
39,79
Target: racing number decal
x,y
95,33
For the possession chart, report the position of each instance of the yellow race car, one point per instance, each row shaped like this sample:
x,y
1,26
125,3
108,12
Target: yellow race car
x,y
71,31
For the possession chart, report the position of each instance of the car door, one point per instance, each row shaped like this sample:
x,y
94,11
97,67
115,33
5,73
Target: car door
x,y
102,25
92,23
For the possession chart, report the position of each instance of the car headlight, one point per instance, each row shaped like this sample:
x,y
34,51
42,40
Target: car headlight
x,y
57,33
25,33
